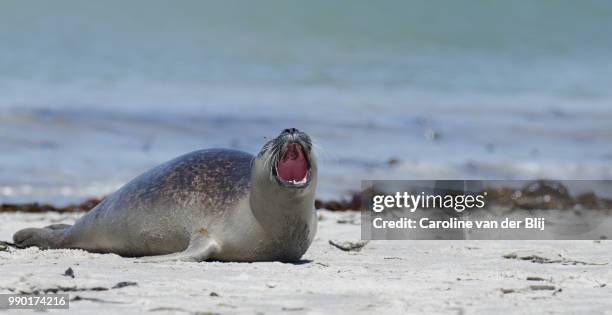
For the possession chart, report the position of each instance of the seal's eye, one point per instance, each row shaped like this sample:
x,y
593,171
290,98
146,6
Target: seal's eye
x,y
293,166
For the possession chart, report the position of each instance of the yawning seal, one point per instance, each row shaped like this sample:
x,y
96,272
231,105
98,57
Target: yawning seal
x,y
214,204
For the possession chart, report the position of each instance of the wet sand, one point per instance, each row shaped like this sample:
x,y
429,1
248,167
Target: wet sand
x,y
450,277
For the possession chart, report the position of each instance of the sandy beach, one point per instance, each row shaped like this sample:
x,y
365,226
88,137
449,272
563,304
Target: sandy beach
x,y
446,277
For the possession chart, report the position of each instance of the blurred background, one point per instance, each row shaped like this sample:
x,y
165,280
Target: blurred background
x,y
92,93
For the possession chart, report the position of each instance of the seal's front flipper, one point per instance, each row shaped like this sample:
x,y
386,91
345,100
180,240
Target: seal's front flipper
x,y
199,249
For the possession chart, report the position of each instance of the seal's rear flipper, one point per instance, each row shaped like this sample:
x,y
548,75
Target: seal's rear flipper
x,y
199,249
58,226
49,237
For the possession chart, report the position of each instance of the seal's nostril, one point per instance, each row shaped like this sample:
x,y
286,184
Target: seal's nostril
x,y
290,130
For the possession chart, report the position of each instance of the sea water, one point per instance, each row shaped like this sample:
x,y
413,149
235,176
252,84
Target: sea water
x,y
94,93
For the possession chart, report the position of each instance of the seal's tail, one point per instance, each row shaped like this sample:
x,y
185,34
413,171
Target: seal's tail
x,y
46,238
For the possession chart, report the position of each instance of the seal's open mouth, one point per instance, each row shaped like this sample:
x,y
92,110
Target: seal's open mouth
x,y
292,167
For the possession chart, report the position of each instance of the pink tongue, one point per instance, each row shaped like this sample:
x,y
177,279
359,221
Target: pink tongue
x,y
293,165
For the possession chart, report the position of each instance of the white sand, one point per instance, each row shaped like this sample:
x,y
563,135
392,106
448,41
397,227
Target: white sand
x,y
453,277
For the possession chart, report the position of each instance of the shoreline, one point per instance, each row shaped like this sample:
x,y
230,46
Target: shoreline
x,y
527,197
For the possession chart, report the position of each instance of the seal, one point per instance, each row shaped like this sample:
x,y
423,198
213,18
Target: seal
x,y
213,204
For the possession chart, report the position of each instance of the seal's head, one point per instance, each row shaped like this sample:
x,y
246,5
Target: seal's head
x,y
282,193
288,161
